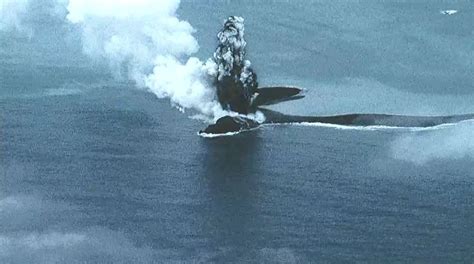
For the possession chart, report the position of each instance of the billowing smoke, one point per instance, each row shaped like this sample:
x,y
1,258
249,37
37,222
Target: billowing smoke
x,y
236,82
448,142
131,34
144,41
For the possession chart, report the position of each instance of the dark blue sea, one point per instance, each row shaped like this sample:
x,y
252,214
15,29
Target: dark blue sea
x,y
95,170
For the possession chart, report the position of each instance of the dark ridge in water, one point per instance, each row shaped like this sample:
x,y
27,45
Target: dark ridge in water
x,y
367,119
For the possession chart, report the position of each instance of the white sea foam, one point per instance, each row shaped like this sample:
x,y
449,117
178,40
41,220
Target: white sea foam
x,y
370,128
448,12
228,134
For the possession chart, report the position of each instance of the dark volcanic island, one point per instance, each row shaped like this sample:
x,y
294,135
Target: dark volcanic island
x,y
238,92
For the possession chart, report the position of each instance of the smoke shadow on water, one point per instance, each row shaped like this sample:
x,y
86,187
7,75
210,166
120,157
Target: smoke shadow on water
x,y
230,172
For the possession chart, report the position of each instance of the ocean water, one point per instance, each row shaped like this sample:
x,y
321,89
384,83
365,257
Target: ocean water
x,y
95,170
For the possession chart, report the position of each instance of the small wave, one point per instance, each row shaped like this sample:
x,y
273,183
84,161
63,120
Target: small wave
x,y
228,134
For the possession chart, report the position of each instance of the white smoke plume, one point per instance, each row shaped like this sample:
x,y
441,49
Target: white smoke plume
x,y
145,40
142,40
450,142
